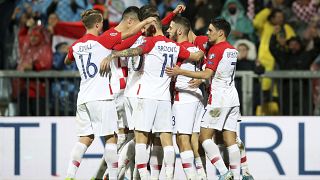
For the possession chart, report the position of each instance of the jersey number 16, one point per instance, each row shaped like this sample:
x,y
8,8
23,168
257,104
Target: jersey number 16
x,y
86,69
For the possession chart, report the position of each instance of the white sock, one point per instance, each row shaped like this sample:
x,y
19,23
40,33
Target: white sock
x,y
169,160
121,140
141,159
244,163
111,157
136,175
76,156
200,168
234,158
213,154
126,155
187,159
156,159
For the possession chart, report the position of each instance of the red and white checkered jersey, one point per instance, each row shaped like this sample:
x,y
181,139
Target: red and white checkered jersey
x,y
184,93
134,71
88,52
222,59
159,53
119,74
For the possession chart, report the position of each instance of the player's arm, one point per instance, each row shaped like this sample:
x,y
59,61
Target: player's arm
x,y
178,10
127,53
193,56
135,29
69,57
105,64
127,43
206,74
197,56
67,61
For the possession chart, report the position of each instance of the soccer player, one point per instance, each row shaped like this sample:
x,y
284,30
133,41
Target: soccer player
x,y
96,112
153,111
222,111
186,99
202,43
135,69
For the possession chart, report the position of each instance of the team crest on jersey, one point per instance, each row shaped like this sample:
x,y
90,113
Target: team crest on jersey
x,y
211,56
205,45
113,34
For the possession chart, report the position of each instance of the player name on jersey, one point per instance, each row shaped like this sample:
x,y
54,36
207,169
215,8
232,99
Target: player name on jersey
x,y
167,49
85,47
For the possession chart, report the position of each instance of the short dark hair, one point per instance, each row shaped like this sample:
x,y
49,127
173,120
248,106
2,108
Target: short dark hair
x,y
221,24
184,22
273,13
90,17
147,11
131,11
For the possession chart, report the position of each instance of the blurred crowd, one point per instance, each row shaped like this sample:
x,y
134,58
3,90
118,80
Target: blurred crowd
x,y
269,34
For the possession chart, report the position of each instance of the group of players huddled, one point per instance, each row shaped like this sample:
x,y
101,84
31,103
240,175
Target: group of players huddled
x,y
140,85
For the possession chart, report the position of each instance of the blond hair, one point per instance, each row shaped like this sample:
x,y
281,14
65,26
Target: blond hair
x,y
90,17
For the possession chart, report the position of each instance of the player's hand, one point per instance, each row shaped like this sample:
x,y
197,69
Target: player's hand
x,y
194,83
173,71
105,65
180,8
150,20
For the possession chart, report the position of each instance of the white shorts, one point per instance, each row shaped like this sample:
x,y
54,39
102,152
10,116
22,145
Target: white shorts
x,y
119,101
130,103
153,115
187,117
97,117
221,118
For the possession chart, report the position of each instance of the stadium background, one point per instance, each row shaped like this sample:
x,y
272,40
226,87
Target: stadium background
x,y
279,93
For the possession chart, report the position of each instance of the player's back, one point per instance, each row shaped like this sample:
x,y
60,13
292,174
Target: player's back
x,y
88,53
135,67
154,81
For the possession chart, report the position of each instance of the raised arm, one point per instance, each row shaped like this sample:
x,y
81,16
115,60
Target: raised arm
x,y
179,9
135,29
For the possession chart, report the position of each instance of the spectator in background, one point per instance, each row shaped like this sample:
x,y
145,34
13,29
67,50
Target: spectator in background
x,y
200,26
241,26
291,55
261,17
53,19
68,10
276,19
246,62
204,10
64,92
304,11
311,34
35,55
167,4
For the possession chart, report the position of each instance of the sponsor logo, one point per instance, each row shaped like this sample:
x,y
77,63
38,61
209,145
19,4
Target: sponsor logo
x,y
113,34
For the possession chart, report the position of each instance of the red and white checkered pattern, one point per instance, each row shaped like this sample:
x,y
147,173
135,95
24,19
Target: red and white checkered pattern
x,y
305,13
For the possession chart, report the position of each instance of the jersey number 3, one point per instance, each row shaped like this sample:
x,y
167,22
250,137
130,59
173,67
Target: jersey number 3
x,y
86,69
